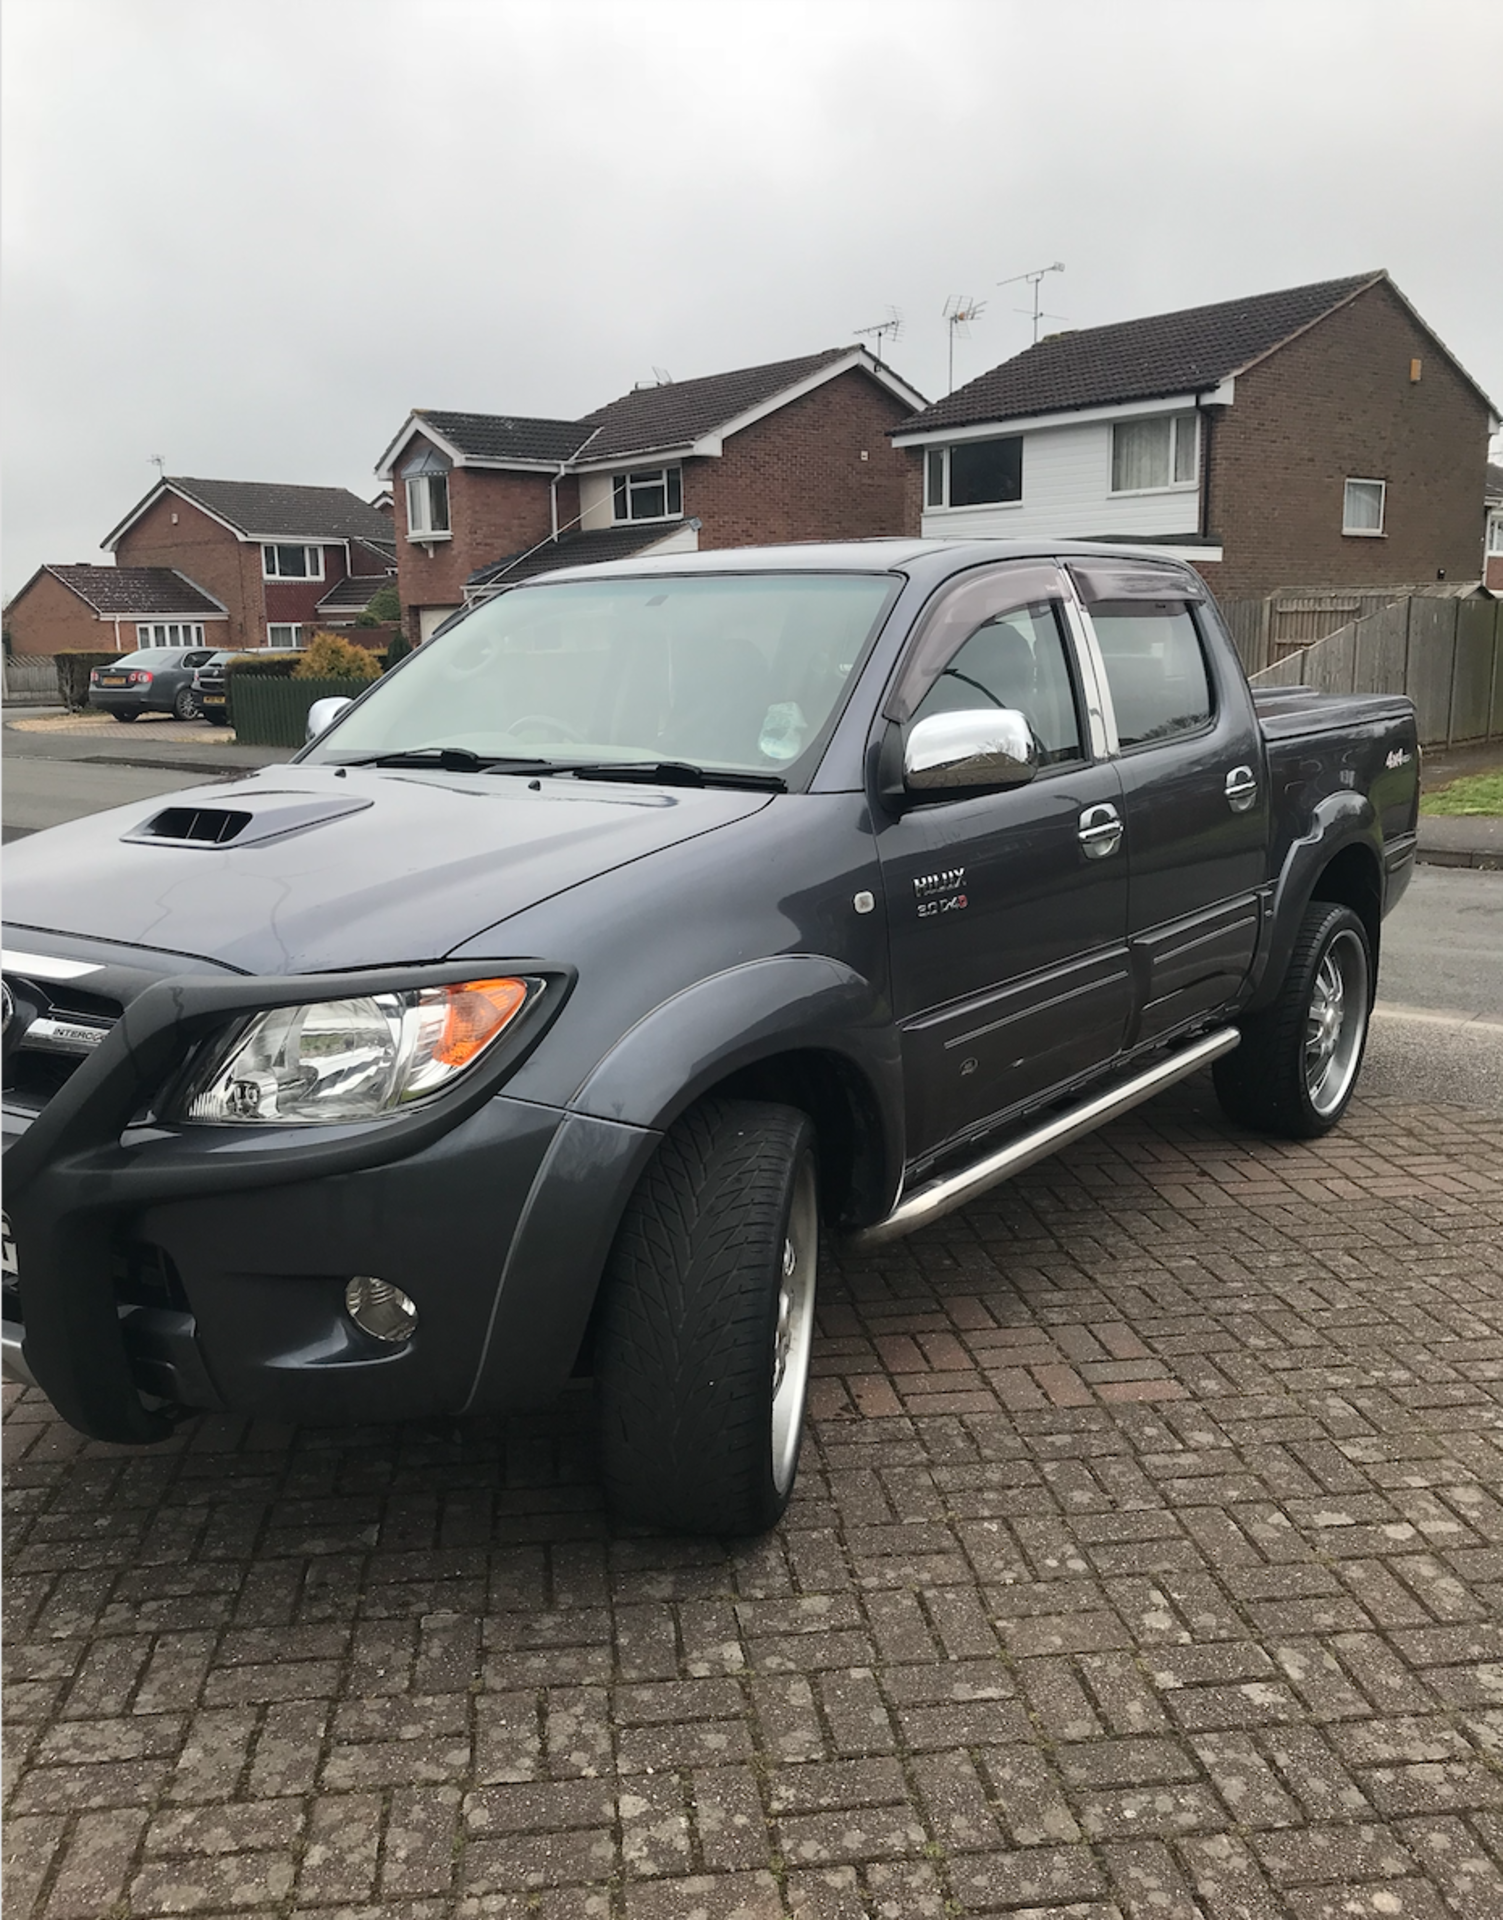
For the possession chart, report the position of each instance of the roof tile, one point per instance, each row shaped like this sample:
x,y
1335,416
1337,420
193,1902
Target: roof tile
x,y
137,592
255,507
1164,353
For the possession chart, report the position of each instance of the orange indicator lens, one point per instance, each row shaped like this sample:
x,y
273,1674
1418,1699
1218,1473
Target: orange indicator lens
x,y
474,1013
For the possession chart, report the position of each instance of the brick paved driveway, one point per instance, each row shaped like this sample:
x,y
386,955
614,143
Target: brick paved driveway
x,y
1147,1561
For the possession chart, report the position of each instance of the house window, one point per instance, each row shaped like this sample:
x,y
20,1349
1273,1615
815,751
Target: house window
x,y
1362,508
977,473
1495,534
657,494
292,563
934,488
171,633
428,506
284,636
1160,452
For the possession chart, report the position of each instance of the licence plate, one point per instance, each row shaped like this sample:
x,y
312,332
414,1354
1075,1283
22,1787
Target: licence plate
x,y
213,699
8,1264
113,680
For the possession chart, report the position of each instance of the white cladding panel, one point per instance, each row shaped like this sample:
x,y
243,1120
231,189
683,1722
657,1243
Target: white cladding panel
x,y
1067,479
596,502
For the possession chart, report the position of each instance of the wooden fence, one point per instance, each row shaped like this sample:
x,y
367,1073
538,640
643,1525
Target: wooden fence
x,y
31,680
1447,655
1266,630
267,712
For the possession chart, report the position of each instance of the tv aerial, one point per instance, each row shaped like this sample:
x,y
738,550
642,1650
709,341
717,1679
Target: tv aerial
x,y
890,329
960,311
1034,279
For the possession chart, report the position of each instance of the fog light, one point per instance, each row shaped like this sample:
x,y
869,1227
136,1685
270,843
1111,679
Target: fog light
x,y
380,1308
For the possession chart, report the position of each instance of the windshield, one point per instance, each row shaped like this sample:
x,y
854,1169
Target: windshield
x,y
737,673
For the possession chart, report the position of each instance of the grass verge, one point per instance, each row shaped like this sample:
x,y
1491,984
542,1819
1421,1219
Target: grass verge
x,y
1477,794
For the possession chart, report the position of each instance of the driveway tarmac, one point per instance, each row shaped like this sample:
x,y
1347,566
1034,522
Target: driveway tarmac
x,y
1146,1562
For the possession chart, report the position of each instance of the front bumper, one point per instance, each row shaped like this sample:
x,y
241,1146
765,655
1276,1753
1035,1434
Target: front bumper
x,y
207,1266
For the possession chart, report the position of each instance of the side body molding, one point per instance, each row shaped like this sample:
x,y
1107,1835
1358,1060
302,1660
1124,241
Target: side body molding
x,y
733,1020
1340,820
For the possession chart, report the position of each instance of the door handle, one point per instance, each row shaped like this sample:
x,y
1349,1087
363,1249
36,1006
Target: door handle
x,y
1241,789
1100,831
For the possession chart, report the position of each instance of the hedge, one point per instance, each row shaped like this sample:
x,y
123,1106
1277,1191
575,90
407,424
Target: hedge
x,y
73,669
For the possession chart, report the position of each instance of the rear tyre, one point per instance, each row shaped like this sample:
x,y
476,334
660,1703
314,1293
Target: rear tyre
x,y
1296,1070
186,705
707,1323
127,713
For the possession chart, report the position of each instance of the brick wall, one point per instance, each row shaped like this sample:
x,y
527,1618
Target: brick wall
x,y
47,617
490,514
174,533
1334,404
798,474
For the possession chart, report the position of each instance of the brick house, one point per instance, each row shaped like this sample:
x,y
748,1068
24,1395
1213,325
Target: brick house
x,y
797,450
281,561
1317,437
112,609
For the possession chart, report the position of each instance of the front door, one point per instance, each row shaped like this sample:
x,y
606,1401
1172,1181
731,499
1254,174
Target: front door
x,y
1007,911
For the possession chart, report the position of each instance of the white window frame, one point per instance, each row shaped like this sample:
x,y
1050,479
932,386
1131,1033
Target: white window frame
x,y
275,627
312,555
1363,533
973,506
1177,425
1495,534
169,633
420,508
623,485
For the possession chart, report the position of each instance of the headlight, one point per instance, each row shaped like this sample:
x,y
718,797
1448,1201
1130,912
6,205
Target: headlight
x,y
342,1060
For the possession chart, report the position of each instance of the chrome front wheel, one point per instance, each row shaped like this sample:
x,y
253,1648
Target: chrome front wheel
x,y
794,1335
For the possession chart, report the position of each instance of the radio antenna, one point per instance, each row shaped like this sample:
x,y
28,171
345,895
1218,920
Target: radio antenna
x,y
890,329
960,311
1034,279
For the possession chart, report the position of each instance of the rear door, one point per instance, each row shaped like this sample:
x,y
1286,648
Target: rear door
x,y
1007,911
1194,794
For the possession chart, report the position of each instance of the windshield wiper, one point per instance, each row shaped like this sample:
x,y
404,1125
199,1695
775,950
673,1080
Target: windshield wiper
x,y
672,773
451,760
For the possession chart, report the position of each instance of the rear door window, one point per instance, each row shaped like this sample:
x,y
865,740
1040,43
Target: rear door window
x,y
1155,669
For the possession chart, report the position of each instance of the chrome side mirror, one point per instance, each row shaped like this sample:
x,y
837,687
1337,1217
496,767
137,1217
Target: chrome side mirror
x,y
987,747
323,713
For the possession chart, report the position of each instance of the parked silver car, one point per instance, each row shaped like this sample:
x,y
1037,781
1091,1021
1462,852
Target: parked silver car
x,y
153,680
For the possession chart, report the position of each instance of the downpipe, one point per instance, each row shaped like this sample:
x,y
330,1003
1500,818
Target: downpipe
x,y
936,1198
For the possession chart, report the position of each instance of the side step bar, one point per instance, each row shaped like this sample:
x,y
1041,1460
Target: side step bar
x,y
938,1197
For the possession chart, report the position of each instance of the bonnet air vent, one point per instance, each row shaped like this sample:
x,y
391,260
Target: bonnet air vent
x,y
267,817
214,824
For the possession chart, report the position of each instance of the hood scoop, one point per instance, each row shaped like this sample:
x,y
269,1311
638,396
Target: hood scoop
x,y
268,817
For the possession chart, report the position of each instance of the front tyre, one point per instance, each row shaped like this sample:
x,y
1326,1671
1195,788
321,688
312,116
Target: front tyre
x,y
1296,1070
186,705
707,1323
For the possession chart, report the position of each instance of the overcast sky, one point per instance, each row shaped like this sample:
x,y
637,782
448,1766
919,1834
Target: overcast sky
x,y
250,237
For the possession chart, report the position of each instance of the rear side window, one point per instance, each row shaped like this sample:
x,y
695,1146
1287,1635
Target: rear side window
x,y
1155,669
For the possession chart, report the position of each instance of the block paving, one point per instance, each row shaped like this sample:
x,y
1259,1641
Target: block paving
x,y
1146,1562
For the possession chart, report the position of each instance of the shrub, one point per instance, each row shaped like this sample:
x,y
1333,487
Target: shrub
x,y
277,666
398,649
73,670
384,604
328,657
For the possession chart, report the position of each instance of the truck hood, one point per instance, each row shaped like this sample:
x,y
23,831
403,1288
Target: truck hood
x,y
318,871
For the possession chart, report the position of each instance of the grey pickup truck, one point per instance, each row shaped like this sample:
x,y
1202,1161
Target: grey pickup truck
x,y
536,1018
